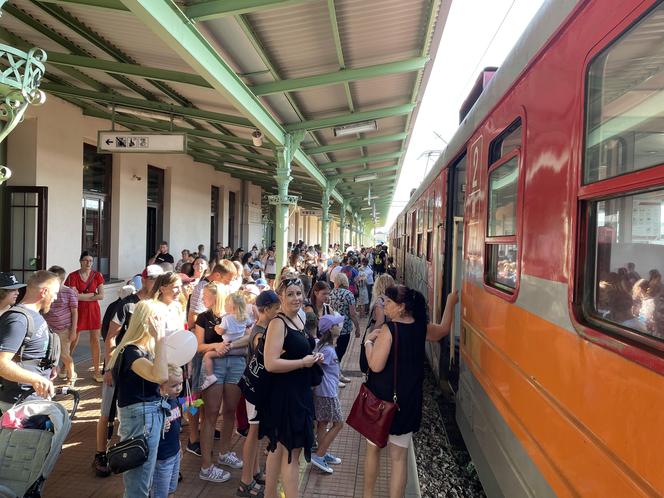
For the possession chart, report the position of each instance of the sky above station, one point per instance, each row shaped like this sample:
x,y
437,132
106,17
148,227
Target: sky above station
x,y
478,34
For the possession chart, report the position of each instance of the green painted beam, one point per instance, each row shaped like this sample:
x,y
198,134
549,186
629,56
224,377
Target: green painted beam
x,y
342,76
317,124
62,59
109,98
214,9
166,20
357,143
104,4
361,160
364,172
164,126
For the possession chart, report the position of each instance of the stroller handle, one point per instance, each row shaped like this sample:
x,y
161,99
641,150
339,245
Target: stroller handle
x,y
67,391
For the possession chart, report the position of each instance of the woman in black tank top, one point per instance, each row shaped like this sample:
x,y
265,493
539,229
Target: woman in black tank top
x,y
287,416
408,325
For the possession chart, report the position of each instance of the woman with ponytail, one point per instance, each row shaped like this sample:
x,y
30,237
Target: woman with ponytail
x,y
408,328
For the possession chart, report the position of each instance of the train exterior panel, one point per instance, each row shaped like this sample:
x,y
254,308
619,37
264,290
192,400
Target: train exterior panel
x,y
557,396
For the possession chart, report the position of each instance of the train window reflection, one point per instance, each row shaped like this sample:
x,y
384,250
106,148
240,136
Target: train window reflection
x,y
629,256
625,103
502,199
501,266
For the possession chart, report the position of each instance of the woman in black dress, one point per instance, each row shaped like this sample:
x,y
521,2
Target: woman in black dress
x,y
407,311
288,414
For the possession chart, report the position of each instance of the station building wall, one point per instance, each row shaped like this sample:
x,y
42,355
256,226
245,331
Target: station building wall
x,y
46,149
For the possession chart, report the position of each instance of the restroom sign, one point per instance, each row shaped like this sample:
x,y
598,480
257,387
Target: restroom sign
x,y
137,142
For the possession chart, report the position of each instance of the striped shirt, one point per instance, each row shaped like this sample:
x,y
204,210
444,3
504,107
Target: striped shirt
x,y
59,316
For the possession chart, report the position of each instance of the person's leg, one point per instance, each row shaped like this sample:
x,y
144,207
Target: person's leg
x,y
96,351
342,345
249,454
290,472
325,443
321,431
133,420
399,473
272,471
241,419
231,395
208,363
100,463
73,343
161,478
67,363
371,461
175,475
211,404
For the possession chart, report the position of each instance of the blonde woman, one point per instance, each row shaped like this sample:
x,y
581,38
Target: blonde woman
x,y
376,308
228,368
139,366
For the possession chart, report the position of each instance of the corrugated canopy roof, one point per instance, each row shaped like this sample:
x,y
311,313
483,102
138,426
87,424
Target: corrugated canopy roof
x,y
225,67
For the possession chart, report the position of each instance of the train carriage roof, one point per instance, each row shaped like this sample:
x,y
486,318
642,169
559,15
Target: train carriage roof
x,y
548,20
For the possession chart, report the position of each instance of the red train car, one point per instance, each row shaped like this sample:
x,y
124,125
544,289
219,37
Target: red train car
x,y
557,173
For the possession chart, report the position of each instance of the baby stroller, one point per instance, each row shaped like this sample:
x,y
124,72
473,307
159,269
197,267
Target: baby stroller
x,y
27,456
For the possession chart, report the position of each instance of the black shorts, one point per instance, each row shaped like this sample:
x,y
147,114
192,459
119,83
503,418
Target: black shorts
x,y
271,276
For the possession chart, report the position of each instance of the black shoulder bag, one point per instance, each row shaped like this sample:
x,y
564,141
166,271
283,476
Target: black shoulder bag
x,y
132,452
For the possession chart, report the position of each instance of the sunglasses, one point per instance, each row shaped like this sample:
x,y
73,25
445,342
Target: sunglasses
x,y
287,282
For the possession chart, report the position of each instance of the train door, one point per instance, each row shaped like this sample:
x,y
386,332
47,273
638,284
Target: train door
x,y
453,273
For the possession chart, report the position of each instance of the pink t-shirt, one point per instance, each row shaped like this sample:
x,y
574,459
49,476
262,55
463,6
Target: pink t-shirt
x,y
59,316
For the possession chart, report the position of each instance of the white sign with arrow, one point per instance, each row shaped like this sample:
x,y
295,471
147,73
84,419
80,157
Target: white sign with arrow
x,y
127,141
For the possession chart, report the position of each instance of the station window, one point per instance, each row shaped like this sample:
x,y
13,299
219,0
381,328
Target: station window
x,y
501,237
624,106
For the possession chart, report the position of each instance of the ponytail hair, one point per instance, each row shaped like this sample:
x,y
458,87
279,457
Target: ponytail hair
x,y
415,304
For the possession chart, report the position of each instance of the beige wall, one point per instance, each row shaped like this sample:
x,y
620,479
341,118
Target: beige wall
x,y
47,150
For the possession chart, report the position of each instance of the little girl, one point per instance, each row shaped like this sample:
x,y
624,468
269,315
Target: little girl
x,y
363,290
167,469
326,398
233,326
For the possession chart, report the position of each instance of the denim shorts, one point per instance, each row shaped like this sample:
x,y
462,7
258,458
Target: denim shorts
x,y
134,420
165,479
229,369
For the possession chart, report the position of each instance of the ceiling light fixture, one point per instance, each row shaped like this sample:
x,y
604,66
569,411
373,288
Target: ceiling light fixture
x,y
144,114
352,129
366,178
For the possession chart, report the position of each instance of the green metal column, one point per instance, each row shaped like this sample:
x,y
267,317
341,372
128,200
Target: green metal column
x,y
282,201
342,224
325,225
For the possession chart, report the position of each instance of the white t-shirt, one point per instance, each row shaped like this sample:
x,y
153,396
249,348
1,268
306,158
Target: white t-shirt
x,y
271,265
369,273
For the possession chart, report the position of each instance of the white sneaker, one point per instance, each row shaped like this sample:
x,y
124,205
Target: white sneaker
x,y
214,474
341,384
208,381
343,378
231,460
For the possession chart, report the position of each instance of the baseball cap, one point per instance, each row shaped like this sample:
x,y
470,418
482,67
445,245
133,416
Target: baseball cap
x,y
267,298
326,322
257,264
9,281
251,288
152,271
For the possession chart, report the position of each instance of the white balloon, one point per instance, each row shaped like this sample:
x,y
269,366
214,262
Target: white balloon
x,y
181,347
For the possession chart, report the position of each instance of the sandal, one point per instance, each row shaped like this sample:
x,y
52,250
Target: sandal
x,y
259,478
251,490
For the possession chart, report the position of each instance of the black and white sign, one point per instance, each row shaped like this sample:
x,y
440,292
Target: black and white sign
x,y
127,141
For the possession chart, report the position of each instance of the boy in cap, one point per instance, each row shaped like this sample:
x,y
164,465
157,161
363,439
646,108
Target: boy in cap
x,y
9,286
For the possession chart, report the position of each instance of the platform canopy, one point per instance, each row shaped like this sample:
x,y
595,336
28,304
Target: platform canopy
x,y
348,73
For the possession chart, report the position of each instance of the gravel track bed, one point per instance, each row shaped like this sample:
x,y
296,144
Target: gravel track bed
x,y
444,466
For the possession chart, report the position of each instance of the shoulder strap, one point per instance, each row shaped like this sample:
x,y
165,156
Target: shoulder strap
x,y
90,280
395,337
31,328
288,321
114,402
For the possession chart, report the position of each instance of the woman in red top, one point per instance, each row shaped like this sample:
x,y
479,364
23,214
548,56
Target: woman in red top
x,y
89,285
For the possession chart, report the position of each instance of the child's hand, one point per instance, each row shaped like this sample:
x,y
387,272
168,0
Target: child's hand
x,y
167,425
218,329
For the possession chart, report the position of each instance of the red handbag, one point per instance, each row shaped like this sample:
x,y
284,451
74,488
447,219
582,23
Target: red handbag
x,y
372,417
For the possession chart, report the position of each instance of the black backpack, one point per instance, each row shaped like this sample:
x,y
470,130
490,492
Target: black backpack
x,y
256,380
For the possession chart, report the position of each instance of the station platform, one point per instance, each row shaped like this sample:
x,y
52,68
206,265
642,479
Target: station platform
x,y
73,475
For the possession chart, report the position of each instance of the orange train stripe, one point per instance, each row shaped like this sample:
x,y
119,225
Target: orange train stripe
x,y
596,416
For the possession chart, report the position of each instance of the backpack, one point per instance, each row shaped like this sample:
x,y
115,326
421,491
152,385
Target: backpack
x,y
348,271
52,350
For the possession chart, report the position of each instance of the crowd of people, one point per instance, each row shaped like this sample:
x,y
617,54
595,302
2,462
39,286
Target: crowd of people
x,y
295,322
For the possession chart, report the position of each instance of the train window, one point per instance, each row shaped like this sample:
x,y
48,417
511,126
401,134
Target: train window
x,y
501,267
502,199
506,142
419,245
627,251
429,244
624,102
